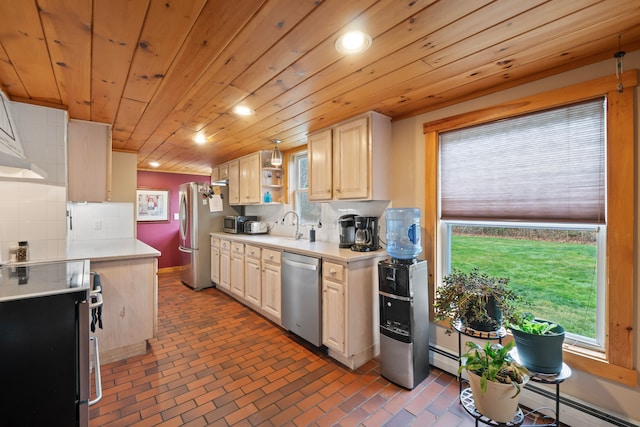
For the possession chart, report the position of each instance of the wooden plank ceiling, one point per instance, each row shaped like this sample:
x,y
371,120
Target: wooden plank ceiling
x,y
161,71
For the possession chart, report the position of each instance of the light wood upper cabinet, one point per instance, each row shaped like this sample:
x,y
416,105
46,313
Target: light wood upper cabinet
x,y
320,154
255,178
223,171
357,164
89,161
234,182
215,174
351,160
250,185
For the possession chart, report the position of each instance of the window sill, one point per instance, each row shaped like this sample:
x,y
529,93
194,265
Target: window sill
x,y
595,363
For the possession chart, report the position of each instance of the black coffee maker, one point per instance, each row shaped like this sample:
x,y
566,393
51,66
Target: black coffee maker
x,y
366,235
347,230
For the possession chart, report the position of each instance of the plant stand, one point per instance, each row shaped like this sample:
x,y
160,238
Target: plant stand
x,y
556,379
464,330
466,399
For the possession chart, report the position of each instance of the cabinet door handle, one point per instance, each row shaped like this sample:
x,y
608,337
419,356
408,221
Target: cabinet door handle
x,y
332,272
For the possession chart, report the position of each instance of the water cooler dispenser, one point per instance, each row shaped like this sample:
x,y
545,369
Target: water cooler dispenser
x,y
404,302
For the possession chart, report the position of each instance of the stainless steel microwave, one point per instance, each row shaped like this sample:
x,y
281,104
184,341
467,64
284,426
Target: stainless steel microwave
x,y
235,223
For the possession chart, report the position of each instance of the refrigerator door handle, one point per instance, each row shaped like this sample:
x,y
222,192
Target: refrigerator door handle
x,y
97,376
185,250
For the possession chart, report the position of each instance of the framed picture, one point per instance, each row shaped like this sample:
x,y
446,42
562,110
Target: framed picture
x,y
152,205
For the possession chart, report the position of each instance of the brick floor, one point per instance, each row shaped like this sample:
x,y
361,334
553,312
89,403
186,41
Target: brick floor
x,y
215,362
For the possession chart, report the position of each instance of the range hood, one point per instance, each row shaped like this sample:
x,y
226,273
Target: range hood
x,y
13,162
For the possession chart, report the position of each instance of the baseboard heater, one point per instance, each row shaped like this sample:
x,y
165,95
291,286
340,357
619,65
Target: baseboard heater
x,y
564,401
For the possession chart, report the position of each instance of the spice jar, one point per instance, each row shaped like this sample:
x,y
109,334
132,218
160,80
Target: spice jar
x,y
22,253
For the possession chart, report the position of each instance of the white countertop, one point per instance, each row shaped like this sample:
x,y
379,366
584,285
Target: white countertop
x,y
303,246
110,249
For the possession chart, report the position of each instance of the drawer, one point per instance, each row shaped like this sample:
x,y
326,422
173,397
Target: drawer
x,y
271,256
252,251
225,245
237,248
333,271
215,242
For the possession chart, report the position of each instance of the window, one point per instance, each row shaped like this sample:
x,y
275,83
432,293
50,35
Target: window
x,y
309,212
616,361
524,198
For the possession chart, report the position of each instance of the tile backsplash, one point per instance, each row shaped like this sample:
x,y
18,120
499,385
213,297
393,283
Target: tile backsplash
x,y
331,211
36,213
99,221
31,209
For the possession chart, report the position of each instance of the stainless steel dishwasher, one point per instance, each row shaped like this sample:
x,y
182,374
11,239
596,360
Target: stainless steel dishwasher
x,y
302,296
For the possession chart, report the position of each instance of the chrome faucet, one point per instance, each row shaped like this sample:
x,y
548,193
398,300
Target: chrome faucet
x,y
298,233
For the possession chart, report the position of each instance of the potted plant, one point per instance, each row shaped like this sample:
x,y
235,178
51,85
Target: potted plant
x,y
479,301
539,343
496,379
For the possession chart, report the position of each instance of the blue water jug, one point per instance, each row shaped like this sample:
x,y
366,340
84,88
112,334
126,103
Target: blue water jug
x,y
403,232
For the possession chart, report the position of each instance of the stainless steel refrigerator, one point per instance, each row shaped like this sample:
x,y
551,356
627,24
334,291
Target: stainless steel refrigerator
x,y
196,222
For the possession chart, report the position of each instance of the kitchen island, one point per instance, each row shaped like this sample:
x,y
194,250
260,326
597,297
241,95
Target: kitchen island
x,y
128,272
349,286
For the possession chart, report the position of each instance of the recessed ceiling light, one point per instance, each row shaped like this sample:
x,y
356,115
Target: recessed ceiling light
x,y
241,110
154,164
353,42
200,138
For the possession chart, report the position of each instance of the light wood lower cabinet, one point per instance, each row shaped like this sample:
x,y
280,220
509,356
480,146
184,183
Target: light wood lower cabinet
x,y
350,314
215,260
253,276
237,269
271,284
130,292
333,313
225,265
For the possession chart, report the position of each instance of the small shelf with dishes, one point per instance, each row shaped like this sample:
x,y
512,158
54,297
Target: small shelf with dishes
x,y
271,181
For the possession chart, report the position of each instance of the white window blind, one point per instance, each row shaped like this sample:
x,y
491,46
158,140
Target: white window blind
x,y
544,166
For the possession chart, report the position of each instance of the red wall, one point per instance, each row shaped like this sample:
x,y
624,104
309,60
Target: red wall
x,y
164,236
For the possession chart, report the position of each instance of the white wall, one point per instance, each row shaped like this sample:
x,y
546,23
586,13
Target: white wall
x,y
30,209
408,189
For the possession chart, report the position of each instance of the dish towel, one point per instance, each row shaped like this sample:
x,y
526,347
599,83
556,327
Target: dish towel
x,y
215,203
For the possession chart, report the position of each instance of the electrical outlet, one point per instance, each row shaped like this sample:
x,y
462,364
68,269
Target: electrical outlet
x,y
97,225
176,216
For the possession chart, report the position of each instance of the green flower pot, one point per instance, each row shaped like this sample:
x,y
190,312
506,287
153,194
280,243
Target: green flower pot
x,y
540,353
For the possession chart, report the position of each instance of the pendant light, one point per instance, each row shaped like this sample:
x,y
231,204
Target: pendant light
x,y
276,156
618,56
